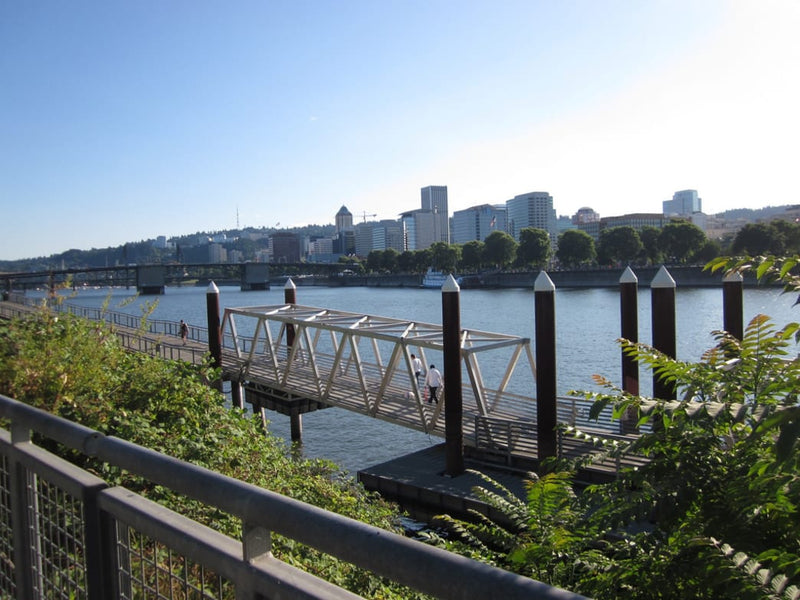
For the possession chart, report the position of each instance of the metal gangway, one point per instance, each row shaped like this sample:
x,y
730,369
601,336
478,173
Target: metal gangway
x,y
307,355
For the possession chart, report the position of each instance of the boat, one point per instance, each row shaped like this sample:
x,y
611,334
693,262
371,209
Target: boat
x,y
434,279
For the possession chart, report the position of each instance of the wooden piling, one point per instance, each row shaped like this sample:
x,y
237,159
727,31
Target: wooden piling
x,y
545,323
214,338
733,304
662,290
629,326
295,418
453,405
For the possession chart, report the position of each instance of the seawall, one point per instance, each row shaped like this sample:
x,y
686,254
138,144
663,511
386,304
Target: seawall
x,y
684,276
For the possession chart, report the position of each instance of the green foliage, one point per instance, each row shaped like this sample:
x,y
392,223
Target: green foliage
x,y
534,247
712,510
620,244
499,249
78,370
575,248
679,239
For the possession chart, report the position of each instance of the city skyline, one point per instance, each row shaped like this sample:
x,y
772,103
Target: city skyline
x,y
124,121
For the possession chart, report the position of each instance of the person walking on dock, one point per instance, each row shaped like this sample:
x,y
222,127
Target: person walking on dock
x,y
184,332
416,366
434,381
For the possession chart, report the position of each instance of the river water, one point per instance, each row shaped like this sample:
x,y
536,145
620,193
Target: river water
x,y
587,325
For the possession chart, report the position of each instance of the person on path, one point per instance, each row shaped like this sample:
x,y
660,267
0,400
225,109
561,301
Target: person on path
x,y
434,381
416,366
184,332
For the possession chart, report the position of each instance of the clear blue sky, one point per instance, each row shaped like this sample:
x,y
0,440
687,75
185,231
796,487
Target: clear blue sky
x,y
122,121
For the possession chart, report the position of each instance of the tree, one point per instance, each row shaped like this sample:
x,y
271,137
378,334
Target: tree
x,y
651,252
707,252
406,261
472,255
758,238
375,261
534,247
620,244
389,260
444,256
575,248
790,233
680,239
499,249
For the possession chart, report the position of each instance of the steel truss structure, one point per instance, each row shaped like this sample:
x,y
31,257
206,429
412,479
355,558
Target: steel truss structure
x,y
363,363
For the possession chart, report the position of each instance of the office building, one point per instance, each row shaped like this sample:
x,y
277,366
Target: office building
x,y
534,209
683,204
477,222
434,199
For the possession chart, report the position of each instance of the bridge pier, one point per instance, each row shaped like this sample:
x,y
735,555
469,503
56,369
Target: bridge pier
x,y
150,279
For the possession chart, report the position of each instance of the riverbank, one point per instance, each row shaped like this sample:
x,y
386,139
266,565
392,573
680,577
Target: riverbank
x,y
684,276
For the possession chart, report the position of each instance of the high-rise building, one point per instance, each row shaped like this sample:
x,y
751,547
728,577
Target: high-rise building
x,y
434,199
344,220
534,209
421,228
683,203
477,222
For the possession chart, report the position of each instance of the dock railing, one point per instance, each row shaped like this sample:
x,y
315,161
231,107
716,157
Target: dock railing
x,y
68,534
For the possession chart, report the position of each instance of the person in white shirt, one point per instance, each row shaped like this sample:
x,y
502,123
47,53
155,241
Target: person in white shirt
x,y
434,381
416,366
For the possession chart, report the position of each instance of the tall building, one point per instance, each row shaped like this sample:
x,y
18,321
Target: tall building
x,y
344,220
683,203
477,222
434,199
421,228
534,209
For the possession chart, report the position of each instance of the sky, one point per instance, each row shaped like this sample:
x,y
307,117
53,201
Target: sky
x,y
123,121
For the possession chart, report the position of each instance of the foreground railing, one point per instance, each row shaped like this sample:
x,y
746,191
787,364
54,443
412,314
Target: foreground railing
x,y
68,534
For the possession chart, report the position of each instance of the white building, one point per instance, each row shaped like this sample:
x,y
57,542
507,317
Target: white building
x,y
534,209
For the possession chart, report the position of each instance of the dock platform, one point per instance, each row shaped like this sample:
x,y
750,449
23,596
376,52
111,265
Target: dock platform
x,y
417,483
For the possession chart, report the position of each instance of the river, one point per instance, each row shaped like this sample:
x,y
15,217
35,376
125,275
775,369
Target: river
x,y
587,325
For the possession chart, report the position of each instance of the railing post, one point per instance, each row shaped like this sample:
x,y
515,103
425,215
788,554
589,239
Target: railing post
x,y
629,325
214,340
545,323
21,526
733,305
453,405
662,290
295,419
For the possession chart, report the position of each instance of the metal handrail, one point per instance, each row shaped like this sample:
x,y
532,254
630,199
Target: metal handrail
x,y
428,569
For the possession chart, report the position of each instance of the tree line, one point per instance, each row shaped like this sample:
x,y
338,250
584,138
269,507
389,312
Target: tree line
x,y
678,242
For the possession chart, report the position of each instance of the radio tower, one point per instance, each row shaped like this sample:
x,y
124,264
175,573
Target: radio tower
x,y
237,216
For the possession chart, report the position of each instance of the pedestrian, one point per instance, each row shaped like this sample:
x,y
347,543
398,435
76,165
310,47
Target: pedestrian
x,y
416,366
184,332
434,382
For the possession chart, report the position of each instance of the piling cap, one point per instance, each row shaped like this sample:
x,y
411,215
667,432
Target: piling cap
x,y
628,276
543,283
733,277
450,285
662,279
289,285
212,288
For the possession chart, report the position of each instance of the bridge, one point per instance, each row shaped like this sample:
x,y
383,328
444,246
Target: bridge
x,y
152,279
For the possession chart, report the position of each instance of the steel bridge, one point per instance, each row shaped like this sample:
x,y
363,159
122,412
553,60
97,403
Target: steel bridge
x,y
296,359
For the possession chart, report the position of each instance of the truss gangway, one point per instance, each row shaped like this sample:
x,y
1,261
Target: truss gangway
x,y
363,363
